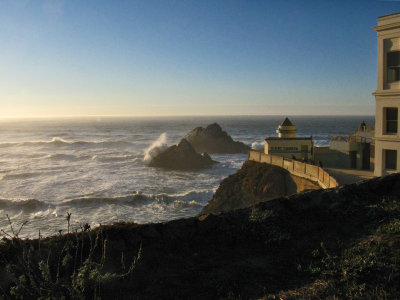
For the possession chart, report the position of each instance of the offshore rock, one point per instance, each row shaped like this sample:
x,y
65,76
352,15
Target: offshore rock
x,y
181,157
255,182
213,139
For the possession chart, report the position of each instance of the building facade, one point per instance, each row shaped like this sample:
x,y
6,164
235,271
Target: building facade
x,y
354,151
287,144
387,95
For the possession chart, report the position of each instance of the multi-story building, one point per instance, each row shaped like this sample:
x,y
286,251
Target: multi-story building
x,y
387,137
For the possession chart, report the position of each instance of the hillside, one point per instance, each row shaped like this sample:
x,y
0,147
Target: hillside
x,y
342,243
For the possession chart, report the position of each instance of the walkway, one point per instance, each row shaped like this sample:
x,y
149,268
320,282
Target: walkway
x,y
348,176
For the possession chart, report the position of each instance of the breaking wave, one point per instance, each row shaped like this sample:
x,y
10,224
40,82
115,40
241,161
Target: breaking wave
x,y
156,148
130,157
20,176
134,199
257,145
27,206
59,142
191,198
66,157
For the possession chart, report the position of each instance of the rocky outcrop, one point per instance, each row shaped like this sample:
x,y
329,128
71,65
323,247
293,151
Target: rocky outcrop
x,y
253,183
325,244
213,139
181,157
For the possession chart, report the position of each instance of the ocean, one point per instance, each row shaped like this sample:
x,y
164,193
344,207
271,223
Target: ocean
x,y
96,168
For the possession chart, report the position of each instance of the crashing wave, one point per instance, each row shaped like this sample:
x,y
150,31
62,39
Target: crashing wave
x,y
25,205
59,142
130,157
156,148
257,145
26,175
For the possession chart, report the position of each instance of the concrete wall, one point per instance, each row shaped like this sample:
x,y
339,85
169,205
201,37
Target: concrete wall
x,y
312,170
331,158
296,168
266,158
299,166
277,160
287,164
254,155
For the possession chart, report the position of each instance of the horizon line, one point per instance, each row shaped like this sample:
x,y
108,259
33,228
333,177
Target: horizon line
x,y
183,115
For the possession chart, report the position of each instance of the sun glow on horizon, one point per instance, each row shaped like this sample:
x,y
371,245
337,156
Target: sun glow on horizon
x,y
182,59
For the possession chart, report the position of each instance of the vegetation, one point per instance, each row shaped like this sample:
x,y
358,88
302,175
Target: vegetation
x,y
337,243
73,266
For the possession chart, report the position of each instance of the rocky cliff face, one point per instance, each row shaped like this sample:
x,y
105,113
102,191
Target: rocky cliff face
x,y
213,139
253,183
181,157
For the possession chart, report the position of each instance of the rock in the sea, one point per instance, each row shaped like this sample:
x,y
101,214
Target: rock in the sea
x,y
181,157
255,182
213,139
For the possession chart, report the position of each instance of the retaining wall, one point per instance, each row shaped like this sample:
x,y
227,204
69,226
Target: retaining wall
x,y
304,170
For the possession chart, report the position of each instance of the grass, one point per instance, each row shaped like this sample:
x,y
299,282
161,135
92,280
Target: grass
x,y
72,266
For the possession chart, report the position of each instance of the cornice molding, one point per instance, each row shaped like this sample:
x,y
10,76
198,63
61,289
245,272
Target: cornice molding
x,y
387,93
386,27
387,139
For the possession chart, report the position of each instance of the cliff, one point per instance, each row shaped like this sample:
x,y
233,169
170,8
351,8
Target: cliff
x,y
181,157
253,183
213,139
337,243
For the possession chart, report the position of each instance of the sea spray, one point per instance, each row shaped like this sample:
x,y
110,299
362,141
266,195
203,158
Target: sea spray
x,y
257,145
156,148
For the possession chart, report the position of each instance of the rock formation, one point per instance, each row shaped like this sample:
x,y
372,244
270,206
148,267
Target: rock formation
x,y
181,157
253,183
213,139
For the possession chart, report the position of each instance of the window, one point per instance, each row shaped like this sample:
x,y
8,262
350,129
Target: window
x,y
393,66
391,119
390,159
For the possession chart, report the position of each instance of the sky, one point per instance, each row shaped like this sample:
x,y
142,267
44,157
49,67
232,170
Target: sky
x,y
148,58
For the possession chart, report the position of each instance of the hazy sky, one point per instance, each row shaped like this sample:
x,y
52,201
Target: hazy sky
x,y
63,58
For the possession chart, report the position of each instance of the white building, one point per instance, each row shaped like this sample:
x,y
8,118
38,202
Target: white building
x,y
387,95
287,144
354,151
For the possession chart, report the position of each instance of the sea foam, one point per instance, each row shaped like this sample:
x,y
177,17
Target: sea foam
x,y
257,145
